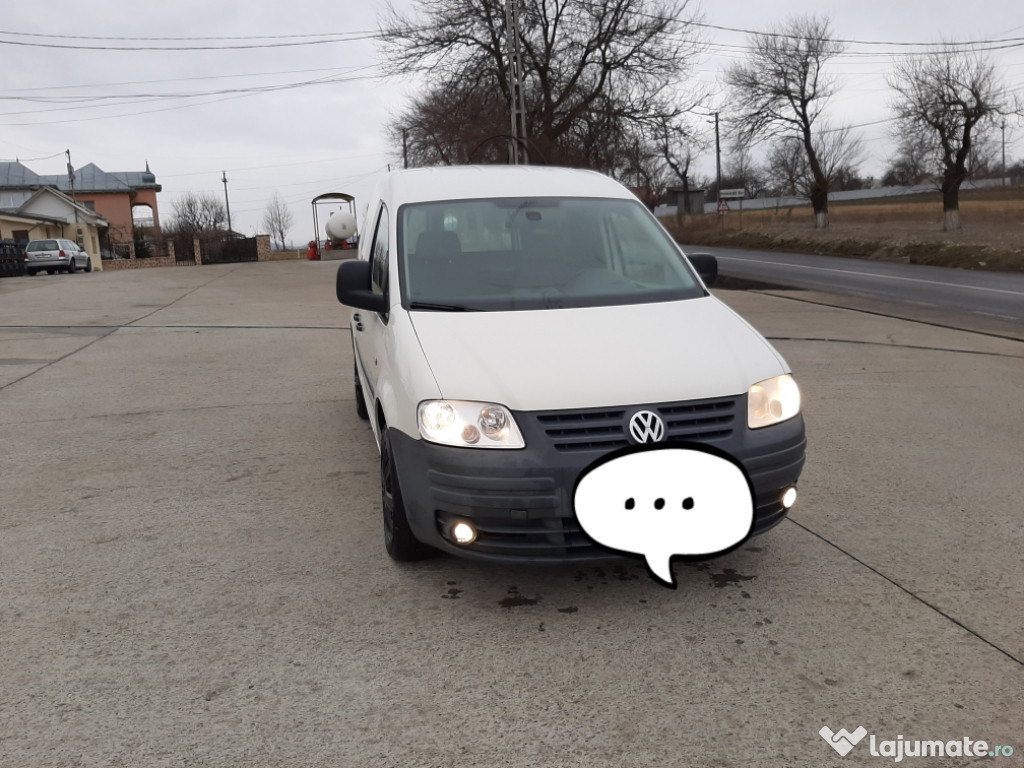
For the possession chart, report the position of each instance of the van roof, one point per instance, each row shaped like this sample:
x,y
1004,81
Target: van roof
x,y
484,181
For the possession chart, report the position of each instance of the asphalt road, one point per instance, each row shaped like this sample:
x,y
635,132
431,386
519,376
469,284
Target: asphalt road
x,y
993,295
192,569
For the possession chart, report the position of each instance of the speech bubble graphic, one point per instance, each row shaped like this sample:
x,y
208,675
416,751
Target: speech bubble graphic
x,y
663,500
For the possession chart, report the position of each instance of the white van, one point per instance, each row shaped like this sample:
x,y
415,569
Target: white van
x,y
510,326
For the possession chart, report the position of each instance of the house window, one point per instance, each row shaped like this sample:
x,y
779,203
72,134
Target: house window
x,y
90,204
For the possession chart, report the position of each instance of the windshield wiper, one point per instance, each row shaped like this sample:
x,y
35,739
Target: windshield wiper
x,y
440,307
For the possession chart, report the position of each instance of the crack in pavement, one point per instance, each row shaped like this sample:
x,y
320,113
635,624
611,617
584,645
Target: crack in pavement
x,y
909,592
104,334
897,346
877,313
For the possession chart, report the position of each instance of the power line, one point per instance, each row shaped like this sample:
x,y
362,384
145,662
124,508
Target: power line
x,y
168,39
319,161
248,46
34,159
945,44
183,79
64,100
242,95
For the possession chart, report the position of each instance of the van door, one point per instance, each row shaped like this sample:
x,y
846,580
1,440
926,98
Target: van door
x,y
369,329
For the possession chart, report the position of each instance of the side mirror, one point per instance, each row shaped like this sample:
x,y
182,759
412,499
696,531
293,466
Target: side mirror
x,y
706,266
353,287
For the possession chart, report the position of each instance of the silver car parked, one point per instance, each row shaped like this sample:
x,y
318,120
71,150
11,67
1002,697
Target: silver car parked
x,y
56,255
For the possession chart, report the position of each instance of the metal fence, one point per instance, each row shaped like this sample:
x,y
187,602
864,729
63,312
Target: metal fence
x,y
11,262
229,251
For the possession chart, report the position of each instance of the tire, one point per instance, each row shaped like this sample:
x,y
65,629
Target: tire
x,y
88,264
71,266
399,542
361,410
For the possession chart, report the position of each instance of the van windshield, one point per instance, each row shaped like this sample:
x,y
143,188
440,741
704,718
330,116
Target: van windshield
x,y
536,253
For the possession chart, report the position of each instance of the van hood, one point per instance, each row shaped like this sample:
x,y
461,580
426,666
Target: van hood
x,y
595,356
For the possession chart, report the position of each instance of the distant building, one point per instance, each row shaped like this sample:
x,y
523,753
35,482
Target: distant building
x,y
49,213
677,196
126,200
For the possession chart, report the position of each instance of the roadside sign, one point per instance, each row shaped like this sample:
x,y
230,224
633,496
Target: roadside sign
x,y
732,194
723,206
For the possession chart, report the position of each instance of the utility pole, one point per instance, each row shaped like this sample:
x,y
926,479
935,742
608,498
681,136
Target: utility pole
x,y
517,103
71,178
1004,152
718,160
227,205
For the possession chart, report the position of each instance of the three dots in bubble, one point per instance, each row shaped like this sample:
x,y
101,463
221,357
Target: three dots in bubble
x,y
660,503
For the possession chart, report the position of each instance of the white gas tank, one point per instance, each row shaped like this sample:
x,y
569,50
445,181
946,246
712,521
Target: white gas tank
x,y
341,226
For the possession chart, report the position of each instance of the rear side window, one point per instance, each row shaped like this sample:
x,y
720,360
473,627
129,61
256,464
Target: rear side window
x,y
379,254
43,245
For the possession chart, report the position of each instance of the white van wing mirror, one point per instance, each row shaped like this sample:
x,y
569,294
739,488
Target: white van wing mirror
x,y
353,287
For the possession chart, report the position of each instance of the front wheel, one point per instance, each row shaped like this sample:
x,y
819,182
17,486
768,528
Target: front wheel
x,y
398,538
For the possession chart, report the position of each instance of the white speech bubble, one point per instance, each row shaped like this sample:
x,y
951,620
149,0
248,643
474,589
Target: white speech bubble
x,y
664,500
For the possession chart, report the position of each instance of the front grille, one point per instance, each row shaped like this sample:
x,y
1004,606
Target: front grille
x,y
604,429
503,491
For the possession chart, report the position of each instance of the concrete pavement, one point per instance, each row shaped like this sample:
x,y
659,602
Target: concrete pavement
x,y
192,571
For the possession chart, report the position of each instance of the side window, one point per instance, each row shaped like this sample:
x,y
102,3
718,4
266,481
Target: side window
x,y
379,254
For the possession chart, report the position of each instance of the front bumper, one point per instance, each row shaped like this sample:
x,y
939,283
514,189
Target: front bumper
x,y
520,501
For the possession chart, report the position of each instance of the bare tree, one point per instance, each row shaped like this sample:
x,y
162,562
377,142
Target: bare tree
x,y
594,73
740,170
788,168
452,126
197,213
277,220
783,90
643,169
679,144
914,161
952,95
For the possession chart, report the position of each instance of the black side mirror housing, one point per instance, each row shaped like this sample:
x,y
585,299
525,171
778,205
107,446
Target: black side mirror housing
x,y
353,287
706,266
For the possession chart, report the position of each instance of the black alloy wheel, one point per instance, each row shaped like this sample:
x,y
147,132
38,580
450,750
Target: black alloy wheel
x,y
399,541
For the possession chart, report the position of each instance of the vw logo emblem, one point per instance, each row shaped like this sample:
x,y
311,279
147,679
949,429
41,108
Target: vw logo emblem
x,y
646,427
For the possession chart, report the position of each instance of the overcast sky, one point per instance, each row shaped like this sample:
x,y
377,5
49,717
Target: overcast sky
x,y
302,141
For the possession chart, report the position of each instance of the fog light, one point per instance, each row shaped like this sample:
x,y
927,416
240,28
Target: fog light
x,y
789,498
463,533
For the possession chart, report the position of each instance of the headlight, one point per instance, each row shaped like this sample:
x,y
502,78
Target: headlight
x,y
467,424
771,401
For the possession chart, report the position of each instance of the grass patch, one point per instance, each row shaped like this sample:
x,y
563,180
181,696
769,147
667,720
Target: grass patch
x,y
904,229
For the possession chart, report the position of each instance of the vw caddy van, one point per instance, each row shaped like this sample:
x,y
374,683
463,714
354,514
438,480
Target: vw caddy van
x,y
511,325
